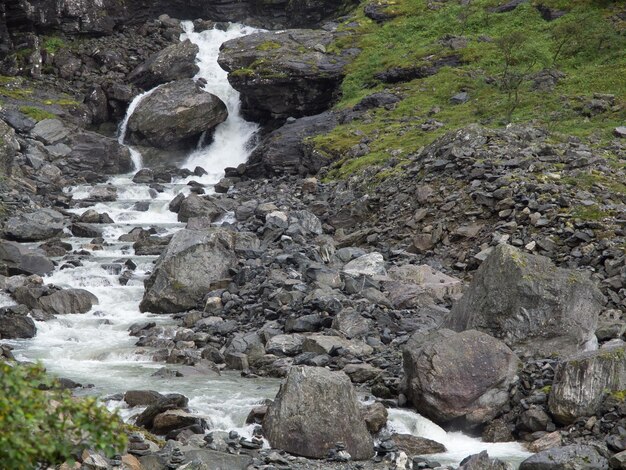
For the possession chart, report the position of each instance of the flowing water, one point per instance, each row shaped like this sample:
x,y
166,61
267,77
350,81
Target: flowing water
x,y
95,348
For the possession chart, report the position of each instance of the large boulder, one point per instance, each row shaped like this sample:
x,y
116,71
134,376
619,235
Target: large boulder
x,y
56,301
192,261
533,306
314,409
458,377
285,151
18,259
14,323
572,457
197,206
34,226
175,62
175,116
284,74
583,381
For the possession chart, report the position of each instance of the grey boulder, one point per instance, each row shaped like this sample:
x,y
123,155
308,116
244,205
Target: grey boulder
x,y
314,409
18,259
462,377
573,457
14,323
175,116
582,381
34,226
530,304
191,262
175,62
56,301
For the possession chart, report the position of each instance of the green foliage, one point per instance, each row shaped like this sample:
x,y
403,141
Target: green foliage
x,y
36,113
41,428
53,44
501,54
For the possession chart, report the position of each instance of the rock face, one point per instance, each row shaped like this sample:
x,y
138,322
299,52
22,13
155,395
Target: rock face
x,y
574,457
175,116
314,409
192,261
175,62
458,377
18,259
529,303
283,74
284,150
34,226
584,380
8,148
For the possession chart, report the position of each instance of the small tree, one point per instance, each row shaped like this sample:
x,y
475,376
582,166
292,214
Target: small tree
x,y
39,428
518,60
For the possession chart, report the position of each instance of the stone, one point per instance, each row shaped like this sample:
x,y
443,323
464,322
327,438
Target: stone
x,y
352,324
375,416
530,304
9,146
618,461
435,283
314,409
285,345
56,302
283,74
620,132
414,445
371,264
18,259
141,397
175,116
360,373
175,62
572,457
174,419
236,360
462,377
321,344
34,226
15,324
191,262
582,381
482,461
49,131
548,441
195,206
172,401
285,150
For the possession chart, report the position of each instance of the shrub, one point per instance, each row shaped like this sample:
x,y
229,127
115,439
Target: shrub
x,y
47,427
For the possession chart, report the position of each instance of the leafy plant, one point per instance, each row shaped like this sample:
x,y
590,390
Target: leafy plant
x,y
47,427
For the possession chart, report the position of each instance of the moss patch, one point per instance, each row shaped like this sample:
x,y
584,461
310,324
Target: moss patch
x,y
36,113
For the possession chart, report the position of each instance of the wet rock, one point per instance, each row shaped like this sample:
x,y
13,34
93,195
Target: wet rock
x,y
483,462
18,259
175,62
191,262
414,445
375,416
284,151
582,381
314,409
34,226
175,115
174,419
462,377
529,303
142,397
15,324
297,76
572,457
172,401
56,301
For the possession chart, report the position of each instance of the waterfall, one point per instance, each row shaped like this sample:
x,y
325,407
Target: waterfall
x,y
231,143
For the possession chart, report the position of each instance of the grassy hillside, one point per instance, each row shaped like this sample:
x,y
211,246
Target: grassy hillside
x,y
507,61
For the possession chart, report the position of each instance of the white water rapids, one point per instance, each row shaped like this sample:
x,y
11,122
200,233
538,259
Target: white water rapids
x,y
95,348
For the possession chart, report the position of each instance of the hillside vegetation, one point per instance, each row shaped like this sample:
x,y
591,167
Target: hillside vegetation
x,y
565,74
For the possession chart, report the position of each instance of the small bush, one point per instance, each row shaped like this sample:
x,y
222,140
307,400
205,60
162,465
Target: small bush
x,y
42,428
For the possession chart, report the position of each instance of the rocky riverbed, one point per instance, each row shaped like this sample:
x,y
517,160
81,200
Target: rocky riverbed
x,y
168,225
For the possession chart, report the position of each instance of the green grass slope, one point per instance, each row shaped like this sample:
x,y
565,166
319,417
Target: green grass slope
x,y
501,56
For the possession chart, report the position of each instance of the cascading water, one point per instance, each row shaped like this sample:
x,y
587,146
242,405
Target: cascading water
x,y
95,348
